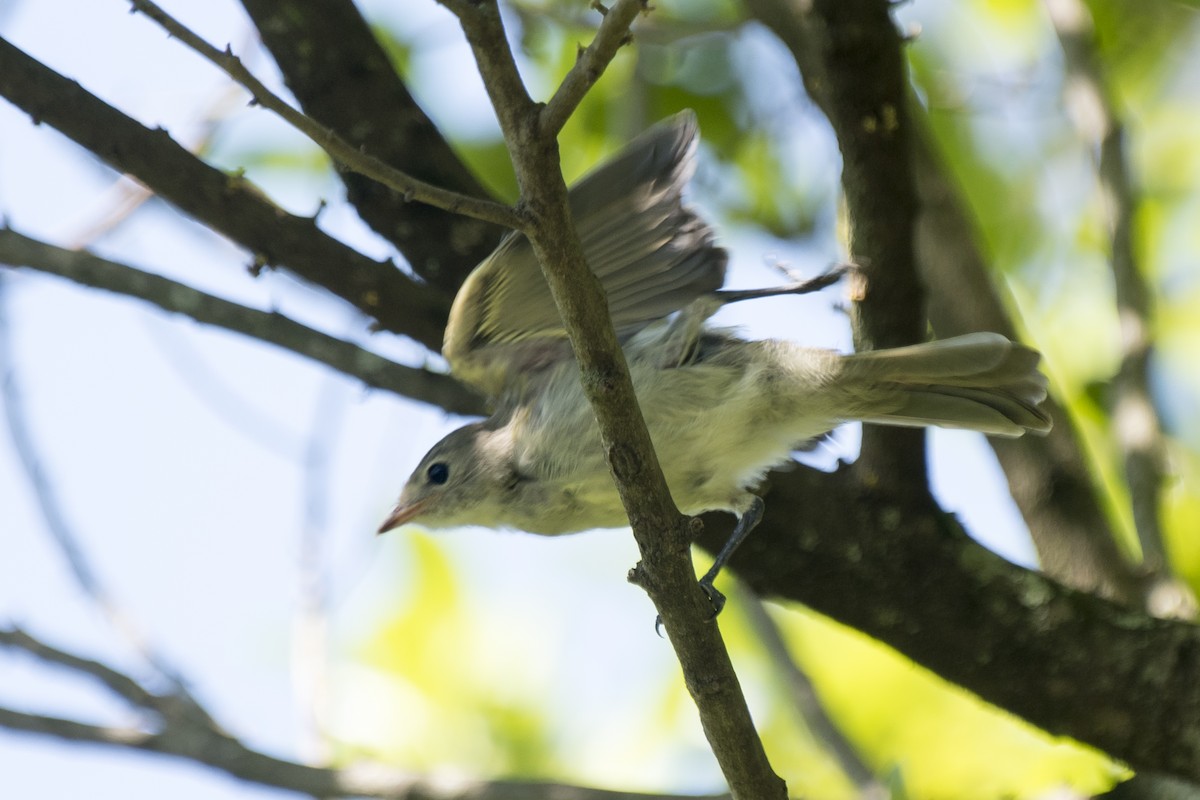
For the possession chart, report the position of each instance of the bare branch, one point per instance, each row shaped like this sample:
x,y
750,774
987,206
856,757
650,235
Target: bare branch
x,y
1049,477
1068,662
663,535
338,148
117,682
373,370
189,733
228,204
342,76
591,63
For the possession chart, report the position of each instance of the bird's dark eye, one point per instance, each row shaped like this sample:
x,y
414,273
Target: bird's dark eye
x,y
438,473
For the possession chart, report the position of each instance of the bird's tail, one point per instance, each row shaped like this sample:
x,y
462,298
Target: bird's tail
x,y
980,381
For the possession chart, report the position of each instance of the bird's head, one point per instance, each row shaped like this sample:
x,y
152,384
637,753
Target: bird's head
x,y
462,480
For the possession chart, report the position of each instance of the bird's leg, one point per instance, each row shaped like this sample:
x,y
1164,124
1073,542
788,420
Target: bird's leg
x,y
799,287
747,520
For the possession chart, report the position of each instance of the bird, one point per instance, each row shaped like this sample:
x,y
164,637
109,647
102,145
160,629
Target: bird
x,y
721,410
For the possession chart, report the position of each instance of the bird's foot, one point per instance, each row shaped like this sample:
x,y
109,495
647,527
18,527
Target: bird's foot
x,y
715,598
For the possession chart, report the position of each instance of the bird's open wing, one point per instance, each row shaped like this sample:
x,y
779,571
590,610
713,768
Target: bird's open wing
x,y
652,255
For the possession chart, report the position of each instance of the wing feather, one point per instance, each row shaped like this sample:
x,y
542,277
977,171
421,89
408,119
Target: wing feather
x,y
651,254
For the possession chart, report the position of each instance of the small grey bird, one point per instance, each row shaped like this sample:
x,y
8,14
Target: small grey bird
x,y
721,410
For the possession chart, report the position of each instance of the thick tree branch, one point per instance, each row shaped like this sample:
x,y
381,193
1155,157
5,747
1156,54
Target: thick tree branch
x,y
227,203
903,573
1069,662
373,370
662,534
1049,477
856,71
186,731
338,149
342,77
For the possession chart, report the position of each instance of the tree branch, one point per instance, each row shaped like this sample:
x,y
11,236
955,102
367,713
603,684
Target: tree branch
x,y
855,70
342,77
338,149
1049,477
662,533
226,203
187,732
373,370
117,682
591,63
1069,662
906,575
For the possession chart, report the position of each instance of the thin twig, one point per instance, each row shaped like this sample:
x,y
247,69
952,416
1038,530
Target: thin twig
x,y
310,642
373,370
57,525
228,204
338,148
590,64
127,195
117,682
188,733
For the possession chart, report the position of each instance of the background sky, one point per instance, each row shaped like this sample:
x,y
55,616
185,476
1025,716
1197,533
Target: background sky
x,y
192,464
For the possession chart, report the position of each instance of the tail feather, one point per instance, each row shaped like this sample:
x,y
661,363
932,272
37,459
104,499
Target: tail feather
x,y
980,381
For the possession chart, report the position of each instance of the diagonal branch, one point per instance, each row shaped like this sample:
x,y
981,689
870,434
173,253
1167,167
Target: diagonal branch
x,y
1068,662
341,75
189,733
57,525
591,63
350,359
338,148
227,203
662,533
807,704
116,682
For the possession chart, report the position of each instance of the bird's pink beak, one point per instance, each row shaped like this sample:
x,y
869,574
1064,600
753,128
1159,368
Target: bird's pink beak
x,y
402,514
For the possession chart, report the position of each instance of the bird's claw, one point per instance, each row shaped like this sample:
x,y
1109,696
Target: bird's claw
x,y
715,599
